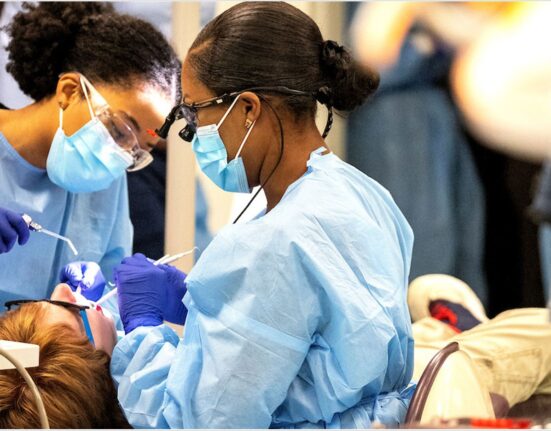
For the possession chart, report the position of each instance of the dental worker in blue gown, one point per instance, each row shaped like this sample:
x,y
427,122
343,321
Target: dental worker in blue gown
x,y
297,318
100,80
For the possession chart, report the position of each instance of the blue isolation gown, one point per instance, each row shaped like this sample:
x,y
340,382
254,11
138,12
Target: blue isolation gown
x,y
297,318
97,223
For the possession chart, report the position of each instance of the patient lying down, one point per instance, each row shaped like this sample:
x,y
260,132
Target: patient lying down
x,y
72,377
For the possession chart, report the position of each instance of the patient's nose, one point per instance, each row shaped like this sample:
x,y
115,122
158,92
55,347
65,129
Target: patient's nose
x,y
63,292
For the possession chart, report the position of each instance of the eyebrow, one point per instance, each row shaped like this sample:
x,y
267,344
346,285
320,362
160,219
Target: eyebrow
x,y
132,120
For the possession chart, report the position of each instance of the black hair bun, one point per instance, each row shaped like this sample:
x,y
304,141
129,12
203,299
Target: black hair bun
x,y
42,35
332,53
349,83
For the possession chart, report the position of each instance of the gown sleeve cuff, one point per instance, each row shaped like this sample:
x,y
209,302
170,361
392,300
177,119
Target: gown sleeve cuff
x,y
126,348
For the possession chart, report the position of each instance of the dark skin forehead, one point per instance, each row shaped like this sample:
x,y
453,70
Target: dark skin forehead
x,y
193,90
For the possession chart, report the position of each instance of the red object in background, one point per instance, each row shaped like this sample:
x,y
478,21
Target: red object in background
x,y
501,423
444,314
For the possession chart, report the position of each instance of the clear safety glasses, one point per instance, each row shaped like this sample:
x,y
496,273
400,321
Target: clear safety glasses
x,y
74,308
120,130
189,111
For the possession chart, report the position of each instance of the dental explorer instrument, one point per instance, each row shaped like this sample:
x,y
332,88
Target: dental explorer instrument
x,y
34,226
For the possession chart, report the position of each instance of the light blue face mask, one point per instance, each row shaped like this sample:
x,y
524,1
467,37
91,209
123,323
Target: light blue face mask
x,y
87,161
212,157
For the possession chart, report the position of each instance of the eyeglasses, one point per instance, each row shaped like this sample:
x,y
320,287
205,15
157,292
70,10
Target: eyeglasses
x,y
121,132
75,308
189,111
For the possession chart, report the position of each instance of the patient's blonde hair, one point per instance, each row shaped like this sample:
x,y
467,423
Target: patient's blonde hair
x,y
72,377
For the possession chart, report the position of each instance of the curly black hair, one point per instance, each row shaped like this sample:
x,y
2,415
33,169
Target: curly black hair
x,y
51,38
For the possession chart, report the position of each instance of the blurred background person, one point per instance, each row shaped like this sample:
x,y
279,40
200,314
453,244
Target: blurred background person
x,y
10,93
502,83
410,138
466,202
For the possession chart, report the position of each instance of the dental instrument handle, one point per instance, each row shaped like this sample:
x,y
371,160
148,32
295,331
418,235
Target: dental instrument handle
x,y
32,225
161,260
38,228
175,257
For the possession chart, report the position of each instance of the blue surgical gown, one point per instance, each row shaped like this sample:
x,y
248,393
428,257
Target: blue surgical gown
x,y
297,318
97,223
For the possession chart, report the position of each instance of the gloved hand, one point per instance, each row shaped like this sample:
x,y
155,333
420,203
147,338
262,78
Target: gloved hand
x,y
149,294
140,291
87,276
12,227
173,308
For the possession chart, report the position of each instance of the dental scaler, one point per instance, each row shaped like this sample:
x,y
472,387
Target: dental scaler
x,y
35,227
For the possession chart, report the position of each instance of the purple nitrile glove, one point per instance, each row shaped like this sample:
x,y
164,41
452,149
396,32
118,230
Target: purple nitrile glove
x,y
140,290
87,276
12,228
173,308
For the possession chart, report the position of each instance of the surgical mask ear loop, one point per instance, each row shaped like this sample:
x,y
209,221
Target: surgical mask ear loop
x,y
245,139
248,131
61,118
85,90
83,83
227,112
282,147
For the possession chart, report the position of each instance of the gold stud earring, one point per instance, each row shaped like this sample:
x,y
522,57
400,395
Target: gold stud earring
x,y
248,123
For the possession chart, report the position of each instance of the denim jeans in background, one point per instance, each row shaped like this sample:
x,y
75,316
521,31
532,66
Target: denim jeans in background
x,y
408,138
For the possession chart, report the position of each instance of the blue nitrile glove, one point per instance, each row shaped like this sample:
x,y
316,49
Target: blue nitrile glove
x,y
12,228
140,290
87,276
172,305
